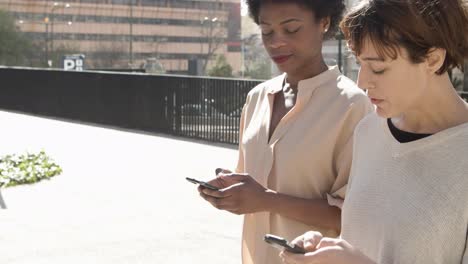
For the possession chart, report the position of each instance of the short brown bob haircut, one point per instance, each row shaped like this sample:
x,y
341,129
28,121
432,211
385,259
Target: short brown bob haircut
x,y
415,25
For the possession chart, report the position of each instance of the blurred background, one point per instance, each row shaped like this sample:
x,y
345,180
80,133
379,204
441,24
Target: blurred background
x,y
189,37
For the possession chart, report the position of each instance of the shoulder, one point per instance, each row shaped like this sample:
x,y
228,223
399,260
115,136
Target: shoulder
x,y
342,94
371,120
462,132
368,126
348,98
449,157
350,92
256,97
260,91
455,140
264,86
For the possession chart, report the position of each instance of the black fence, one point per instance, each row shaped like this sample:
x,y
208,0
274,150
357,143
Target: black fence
x,y
209,108
202,108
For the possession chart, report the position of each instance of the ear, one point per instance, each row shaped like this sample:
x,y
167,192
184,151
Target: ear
x,y
435,59
325,24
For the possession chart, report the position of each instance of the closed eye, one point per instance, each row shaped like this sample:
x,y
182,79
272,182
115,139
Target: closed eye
x,y
293,31
378,72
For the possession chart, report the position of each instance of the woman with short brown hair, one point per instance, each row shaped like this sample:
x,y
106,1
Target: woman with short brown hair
x,y
407,197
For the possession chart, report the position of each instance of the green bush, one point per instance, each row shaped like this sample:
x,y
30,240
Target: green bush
x,y
26,169
15,48
221,68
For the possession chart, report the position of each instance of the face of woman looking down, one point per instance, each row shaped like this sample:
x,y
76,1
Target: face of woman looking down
x,y
292,37
395,86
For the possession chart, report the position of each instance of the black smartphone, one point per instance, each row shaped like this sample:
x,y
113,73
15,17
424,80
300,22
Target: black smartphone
x,y
202,183
281,243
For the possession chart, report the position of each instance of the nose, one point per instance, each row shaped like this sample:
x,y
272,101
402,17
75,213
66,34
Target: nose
x,y
364,80
275,41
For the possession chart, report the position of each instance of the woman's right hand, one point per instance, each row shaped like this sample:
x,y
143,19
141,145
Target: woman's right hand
x,y
308,240
238,193
324,250
220,182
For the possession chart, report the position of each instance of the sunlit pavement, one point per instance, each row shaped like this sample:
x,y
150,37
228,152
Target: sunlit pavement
x,y
122,198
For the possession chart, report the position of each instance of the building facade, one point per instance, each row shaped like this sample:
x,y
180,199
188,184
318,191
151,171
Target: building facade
x,y
180,36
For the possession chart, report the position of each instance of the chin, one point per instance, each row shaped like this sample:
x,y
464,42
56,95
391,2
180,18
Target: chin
x,y
287,67
283,68
382,113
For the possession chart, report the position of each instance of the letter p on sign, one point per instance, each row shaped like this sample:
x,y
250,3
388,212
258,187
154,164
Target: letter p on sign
x,y
68,64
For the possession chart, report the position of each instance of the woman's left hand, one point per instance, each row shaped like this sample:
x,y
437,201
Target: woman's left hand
x,y
243,197
328,251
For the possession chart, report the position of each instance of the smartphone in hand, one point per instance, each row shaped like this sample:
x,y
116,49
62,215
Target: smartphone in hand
x,y
202,183
281,243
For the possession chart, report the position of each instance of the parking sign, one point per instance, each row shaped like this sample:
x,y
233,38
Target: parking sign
x,y
73,62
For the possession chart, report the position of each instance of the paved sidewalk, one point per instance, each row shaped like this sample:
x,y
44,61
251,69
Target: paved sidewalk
x,y
122,198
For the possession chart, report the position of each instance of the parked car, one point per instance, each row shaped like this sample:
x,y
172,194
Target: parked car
x,y
201,110
205,121
236,113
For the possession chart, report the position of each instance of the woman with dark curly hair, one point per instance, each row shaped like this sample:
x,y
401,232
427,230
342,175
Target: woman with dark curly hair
x,y
407,197
296,131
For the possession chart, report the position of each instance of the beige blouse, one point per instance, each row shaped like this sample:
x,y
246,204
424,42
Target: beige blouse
x,y
308,155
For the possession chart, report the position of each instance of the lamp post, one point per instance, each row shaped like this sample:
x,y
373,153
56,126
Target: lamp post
x,y
131,35
46,23
210,37
51,20
339,36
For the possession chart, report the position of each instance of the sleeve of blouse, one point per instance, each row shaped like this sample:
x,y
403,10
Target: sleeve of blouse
x,y
344,150
240,161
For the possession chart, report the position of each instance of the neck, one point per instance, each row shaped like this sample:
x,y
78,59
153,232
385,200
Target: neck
x,y
441,108
293,78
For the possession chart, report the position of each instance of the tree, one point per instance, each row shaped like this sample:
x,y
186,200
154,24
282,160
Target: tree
x,y
212,30
260,70
257,63
110,55
15,48
56,56
221,68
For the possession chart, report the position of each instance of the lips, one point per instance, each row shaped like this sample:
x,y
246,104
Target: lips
x,y
280,58
376,101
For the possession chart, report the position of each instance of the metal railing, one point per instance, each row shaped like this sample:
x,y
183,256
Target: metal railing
x,y
194,107
209,108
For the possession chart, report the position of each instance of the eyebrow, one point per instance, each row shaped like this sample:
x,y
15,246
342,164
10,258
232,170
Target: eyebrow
x,y
373,59
283,22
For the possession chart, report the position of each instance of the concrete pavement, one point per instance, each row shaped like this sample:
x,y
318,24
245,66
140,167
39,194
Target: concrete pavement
x,y
122,198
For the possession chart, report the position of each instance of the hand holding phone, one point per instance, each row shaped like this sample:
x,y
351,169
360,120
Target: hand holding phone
x,y
281,243
202,183
220,170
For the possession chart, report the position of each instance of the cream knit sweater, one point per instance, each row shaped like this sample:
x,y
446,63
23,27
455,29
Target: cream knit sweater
x,y
408,203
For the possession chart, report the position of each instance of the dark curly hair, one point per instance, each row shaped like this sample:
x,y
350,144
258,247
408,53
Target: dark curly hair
x,y
321,8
